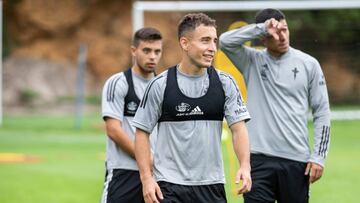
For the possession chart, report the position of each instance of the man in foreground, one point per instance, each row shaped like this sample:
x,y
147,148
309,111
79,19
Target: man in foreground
x,y
189,102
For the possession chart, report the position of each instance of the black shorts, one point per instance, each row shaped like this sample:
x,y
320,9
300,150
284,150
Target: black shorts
x,y
277,179
174,193
122,186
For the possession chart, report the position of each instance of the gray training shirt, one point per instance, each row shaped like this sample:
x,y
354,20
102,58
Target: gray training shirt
x,y
280,92
113,95
189,152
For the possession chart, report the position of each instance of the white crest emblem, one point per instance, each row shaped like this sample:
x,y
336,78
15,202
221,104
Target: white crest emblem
x,y
182,107
132,106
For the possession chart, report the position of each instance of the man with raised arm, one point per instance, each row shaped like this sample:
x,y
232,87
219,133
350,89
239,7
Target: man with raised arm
x,y
282,82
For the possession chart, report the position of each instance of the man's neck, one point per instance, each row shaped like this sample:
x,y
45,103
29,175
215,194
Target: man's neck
x,y
140,72
275,54
190,68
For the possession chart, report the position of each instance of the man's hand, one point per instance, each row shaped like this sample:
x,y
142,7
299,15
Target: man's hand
x,y
275,28
244,175
151,191
314,170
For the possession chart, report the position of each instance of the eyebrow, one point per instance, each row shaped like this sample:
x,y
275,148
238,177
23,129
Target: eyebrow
x,y
208,37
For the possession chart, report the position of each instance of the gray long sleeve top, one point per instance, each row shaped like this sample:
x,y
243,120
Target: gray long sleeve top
x,y
280,92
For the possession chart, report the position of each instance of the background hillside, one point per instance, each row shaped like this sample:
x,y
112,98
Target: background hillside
x,y
42,39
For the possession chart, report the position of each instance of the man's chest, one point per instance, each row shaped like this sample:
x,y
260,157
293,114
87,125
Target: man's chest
x,y
289,77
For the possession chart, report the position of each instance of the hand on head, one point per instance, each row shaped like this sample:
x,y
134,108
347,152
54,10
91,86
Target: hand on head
x,y
275,28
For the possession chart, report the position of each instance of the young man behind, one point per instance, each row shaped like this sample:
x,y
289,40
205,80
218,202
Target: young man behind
x,y
120,99
189,102
282,83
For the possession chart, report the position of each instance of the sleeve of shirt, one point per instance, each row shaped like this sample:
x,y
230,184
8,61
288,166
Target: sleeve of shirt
x,y
235,109
319,102
149,111
113,95
232,44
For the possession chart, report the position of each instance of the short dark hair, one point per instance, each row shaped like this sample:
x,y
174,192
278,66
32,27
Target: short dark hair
x,y
146,34
190,21
269,13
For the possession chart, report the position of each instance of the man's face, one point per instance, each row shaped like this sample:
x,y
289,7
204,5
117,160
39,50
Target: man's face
x,y
147,54
281,45
200,45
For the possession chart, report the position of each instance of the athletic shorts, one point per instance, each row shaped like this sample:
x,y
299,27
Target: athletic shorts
x,y
174,193
277,179
122,186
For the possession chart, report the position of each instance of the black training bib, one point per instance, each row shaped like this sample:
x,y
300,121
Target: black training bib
x,y
179,107
131,100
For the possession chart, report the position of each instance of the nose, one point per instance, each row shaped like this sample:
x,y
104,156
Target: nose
x,y
212,47
152,55
282,36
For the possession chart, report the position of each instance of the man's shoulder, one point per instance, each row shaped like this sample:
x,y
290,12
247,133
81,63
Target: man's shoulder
x,y
221,73
115,85
303,56
116,77
158,81
160,78
226,78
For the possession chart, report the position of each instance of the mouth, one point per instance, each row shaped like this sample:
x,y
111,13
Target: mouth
x,y
208,57
151,65
283,46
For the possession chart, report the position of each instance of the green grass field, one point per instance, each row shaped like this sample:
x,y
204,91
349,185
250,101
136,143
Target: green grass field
x,y
64,165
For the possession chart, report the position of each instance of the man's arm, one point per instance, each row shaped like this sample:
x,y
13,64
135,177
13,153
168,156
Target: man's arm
x,y
319,103
232,44
117,134
236,114
242,151
114,92
145,120
151,189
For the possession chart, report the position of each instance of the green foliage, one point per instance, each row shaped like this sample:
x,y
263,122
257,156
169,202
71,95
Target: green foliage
x,y
28,97
326,26
91,99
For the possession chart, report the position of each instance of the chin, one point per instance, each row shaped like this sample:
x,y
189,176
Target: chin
x,y
207,64
283,51
148,69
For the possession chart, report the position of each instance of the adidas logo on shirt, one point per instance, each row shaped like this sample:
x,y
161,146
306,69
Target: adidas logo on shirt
x,y
196,111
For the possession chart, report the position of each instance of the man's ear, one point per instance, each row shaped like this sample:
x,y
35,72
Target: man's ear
x,y
184,43
133,50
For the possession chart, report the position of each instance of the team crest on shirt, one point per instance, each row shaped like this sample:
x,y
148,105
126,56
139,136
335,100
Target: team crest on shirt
x,y
264,72
132,106
182,107
295,71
